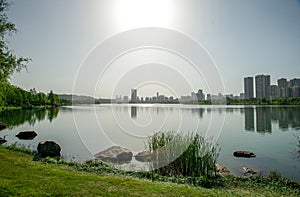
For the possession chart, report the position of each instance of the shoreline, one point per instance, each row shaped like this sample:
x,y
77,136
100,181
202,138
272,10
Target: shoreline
x,y
17,166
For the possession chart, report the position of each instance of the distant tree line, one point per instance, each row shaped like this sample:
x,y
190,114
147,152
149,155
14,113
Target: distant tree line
x,y
11,95
264,101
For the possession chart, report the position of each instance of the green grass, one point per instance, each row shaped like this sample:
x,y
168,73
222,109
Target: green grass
x,y
21,176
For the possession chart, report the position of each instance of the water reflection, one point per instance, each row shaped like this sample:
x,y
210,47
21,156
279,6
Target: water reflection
x,y
296,152
52,113
286,117
14,118
249,119
263,120
199,111
133,112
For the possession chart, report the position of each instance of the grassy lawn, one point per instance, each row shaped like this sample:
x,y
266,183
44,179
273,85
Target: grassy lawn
x,y
21,176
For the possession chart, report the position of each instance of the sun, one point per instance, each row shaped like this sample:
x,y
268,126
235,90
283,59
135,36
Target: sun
x,y
130,14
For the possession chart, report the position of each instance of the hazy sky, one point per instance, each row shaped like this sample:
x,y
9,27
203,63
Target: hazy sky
x,y
244,38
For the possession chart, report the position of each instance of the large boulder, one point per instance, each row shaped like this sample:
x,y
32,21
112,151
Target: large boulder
x,y
2,126
48,149
115,154
26,135
240,153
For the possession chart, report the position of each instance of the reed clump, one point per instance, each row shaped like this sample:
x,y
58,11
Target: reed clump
x,y
178,154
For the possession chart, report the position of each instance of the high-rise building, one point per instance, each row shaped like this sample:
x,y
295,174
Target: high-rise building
x,y
282,88
282,83
294,82
248,88
193,97
262,83
200,95
293,89
125,99
208,97
273,91
133,95
242,95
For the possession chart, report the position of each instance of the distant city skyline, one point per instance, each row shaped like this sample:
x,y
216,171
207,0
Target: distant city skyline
x,y
244,38
264,89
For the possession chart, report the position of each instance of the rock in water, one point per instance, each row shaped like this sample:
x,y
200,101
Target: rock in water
x,y
26,135
144,156
240,153
222,170
48,149
115,154
249,170
2,126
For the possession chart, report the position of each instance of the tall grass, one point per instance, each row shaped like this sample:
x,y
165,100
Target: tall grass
x,y
178,154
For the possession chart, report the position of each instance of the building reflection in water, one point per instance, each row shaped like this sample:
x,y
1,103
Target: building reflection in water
x,y
286,117
198,111
133,112
263,120
249,118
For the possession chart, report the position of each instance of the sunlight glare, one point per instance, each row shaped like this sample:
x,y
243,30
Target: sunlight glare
x,y
131,14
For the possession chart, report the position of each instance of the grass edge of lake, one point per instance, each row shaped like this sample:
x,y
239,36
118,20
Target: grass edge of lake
x,y
22,176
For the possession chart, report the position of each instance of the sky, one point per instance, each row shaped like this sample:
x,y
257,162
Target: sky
x,y
81,46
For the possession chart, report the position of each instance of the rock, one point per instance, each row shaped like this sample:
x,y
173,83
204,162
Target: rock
x,y
2,141
2,126
144,156
222,170
249,170
26,135
247,154
115,154
48,149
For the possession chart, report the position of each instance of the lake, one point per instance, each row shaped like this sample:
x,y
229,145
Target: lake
x,y
271,132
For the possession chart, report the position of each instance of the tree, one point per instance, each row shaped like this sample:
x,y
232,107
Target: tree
x,y
41,98
9,63
53,98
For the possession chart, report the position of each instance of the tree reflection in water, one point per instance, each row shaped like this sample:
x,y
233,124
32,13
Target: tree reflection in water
x,y
13,118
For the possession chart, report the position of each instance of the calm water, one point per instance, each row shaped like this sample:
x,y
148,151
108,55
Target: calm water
x,y
271,132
